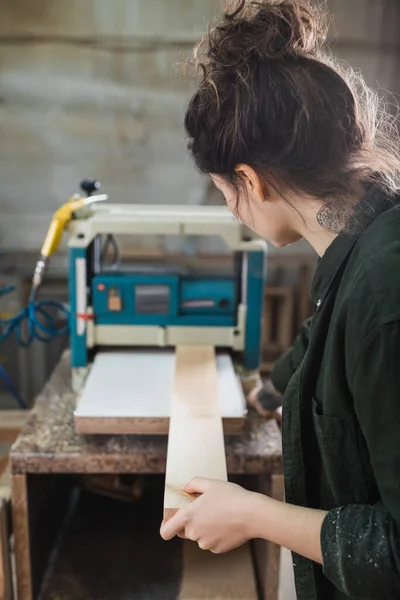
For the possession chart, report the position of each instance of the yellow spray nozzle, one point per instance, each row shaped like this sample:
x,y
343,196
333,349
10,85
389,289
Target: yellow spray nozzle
x,y
60,220
62,217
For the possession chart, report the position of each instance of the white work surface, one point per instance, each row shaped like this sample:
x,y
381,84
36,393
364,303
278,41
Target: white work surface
x,y
138,384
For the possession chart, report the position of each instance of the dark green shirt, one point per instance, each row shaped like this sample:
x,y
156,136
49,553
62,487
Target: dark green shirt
x,y
341,422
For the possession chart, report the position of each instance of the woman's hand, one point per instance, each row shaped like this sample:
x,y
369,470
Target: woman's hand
x,y
220,519
226,516
252,397
266,400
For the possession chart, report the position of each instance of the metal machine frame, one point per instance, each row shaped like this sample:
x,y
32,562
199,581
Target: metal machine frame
x,y
88,331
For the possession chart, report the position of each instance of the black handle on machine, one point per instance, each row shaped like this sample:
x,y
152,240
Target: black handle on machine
x,y
89,186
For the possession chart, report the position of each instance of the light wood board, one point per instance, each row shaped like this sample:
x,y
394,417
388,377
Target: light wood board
x,y
208,576
11,422
130,393
5,483
196,442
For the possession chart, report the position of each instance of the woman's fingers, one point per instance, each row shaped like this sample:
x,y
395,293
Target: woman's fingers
x,y
174,526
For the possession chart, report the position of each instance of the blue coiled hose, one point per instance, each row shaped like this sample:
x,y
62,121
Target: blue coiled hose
x,y
35,322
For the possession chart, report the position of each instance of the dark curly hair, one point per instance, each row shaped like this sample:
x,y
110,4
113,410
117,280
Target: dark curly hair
x,y
270,95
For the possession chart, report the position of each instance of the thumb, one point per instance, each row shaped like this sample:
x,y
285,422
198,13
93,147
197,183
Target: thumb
x,y
198,485
173,526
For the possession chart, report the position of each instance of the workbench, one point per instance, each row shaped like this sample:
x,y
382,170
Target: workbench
x,y
47,462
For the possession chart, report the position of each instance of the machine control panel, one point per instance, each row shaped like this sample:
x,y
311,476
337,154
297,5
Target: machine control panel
x,y
163,300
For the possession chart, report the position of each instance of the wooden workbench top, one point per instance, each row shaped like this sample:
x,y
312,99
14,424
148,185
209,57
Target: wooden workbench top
x,y
49,443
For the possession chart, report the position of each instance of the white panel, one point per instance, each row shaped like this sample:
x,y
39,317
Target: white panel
x,y
128,335
139,384
195,336
152,335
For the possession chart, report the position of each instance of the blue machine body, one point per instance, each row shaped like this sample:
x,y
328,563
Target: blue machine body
x,y
256,276
119,298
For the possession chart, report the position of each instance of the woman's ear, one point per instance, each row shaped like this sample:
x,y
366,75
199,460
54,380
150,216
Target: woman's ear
x,y
252,181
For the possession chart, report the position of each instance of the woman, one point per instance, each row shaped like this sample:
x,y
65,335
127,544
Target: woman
x,y
299,149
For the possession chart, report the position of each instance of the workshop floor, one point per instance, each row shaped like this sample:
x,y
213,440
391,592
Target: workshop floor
x,y
286,585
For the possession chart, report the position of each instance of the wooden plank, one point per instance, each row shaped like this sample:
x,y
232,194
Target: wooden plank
x,y
3,467
21,536
6,591
144,426
11,423
267,554
5,483
196,441
13,419
208,576
278,320
286,318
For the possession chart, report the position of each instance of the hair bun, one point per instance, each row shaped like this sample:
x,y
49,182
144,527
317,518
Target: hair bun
x,y
267,29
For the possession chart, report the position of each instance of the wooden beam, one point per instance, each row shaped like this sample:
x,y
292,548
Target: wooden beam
x,y
11,422
267,555
208,576
13,419
20,518
5,483
196,441
143,426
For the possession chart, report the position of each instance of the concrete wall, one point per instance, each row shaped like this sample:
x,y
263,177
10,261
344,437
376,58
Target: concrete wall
x,y
90,88
366,33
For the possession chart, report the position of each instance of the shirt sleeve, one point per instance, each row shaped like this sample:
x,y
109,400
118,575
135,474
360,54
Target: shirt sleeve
x,y
361,544
288,363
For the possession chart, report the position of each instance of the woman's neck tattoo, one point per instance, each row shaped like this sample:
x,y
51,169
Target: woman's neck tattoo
x,y
334,215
